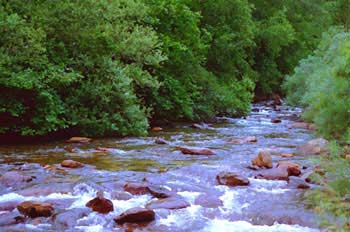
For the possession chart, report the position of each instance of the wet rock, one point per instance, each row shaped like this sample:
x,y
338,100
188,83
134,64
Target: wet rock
x,y
71,164
196,151
9,205
14,178
120,195
175,202
157,129
231,179
136,189
160,141
253,167
208,201
276,120
298,182
287,155
286,164
100,204
315,147
136,215
263,159
79,140
105,149
10,218
277,100
273,174
160,192
250,139
35,209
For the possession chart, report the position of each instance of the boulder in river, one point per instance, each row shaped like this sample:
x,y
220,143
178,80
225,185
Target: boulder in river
x,y
71,164
276,120
277,100
136,189
136,215
231,179
13,178
79,140
175,202
100,204
273,174
263,159
35,209
317,146
156,129
249,139
196,151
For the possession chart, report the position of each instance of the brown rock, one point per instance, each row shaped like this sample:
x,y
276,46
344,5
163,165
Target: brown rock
x,y
263,159
250,139
35,209
276,120
160,141
175,202
277,100
231,179
315,147
100,204
136,215
136,189
196,151
282,164
287,155
79,140
71,164
52,168
273,174
157,129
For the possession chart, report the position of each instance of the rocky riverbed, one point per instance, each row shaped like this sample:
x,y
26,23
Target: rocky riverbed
x,y
247,174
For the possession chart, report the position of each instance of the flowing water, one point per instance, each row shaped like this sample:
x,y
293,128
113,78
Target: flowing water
x,y
262,206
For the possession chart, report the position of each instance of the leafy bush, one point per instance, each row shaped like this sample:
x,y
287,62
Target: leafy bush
x,y
321,83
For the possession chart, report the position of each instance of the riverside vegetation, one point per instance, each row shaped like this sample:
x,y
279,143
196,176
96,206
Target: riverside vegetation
x,y
102,67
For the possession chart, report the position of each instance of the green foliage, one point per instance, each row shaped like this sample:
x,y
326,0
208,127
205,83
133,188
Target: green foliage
x,y
331,200
73,63
321,84
287,31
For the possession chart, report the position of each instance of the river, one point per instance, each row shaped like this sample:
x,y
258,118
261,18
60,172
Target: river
x,y
264,205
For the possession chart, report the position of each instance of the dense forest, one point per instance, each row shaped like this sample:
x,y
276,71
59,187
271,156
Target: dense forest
x,y
113,67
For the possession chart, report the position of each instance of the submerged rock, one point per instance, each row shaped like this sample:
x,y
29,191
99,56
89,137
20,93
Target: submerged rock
x,y
79,140
136,215
208,201
317,146
200,126
100,204
14,178
287,155
303,125
231,179
196,151
71,164
249,139
273,174
160,192
120,195
35,209
10,218
263,159
298,182
175,202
